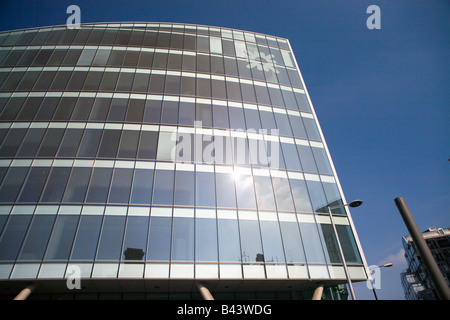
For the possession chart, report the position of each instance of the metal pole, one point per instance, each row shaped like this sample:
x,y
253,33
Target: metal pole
x,y
347,275
206,295
23,295
440,285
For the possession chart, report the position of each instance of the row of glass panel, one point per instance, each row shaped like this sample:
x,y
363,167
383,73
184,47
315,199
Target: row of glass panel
x,y
178,39
168,184
153,81
156,109
181,271
78,80
163,235
147,142
262,58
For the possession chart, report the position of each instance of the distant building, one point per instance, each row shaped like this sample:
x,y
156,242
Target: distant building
x,y
415,280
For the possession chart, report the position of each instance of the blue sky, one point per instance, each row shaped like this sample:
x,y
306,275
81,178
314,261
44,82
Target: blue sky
x,y
382,96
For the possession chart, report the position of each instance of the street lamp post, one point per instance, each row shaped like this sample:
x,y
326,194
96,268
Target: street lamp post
x,y
387,265
353,204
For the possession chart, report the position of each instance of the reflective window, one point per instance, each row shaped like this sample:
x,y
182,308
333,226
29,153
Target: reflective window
x,y
120,186
152,111
89,143
160,233
245,192
318,200
169,112
31,142
117,110
163,187
64,109
99,186
110,243
184,188
186,114
204,189
206,240
12,183
292,242
166,146
109,144
37,237
225,190
34,184
251,249
264,193
50,143
77,185
147,145
12,236
62,237
283,194
307,158
135,110
300,195
85,244
135,243
12,142
290,156
128,144
322,160
229,243
141,192
348,244
313,247
56,184
272,243
183,239
82,108
100,109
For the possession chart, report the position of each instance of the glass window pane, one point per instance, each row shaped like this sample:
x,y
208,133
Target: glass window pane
x,y
245,191
292,242
186,114
62,237
56,184
307,158
135,243
128,144
110,243
264,193
51,142
204,189
220,116
283,194
89,143
206,240
100,109
291,157
313,247
169,112
12,142
70,142
272,243
229,243
184,191
34,184
166,146
99,186
12,236
117,110
31,143
348,244
225,192
250,241
110,143
204,114
311,129
163,187
37,237
135,110
88,232
152,111
141,192
147,145
12,183
160,233
297,126
322,160
318,200
183,239
120,186
301,196
77,185
82,109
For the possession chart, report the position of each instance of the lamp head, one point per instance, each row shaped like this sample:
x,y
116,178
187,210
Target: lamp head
x,y
355,203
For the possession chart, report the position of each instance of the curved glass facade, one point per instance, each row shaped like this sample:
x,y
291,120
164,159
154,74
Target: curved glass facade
x,y
163,151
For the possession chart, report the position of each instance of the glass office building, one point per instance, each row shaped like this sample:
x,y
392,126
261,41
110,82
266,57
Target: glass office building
x,y
143,157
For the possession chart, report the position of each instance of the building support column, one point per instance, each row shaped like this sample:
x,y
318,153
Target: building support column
x,y
318,292
204,291
23,295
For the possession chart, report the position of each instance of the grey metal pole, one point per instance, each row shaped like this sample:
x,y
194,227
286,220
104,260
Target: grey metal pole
x,y
440,285
341,252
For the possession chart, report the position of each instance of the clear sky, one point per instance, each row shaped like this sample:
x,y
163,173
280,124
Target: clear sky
x,y
382,96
